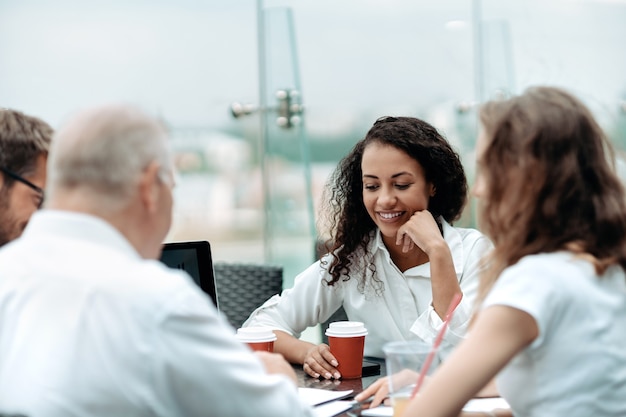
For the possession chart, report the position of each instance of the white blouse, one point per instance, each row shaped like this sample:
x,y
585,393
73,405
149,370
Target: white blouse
x,y
403,311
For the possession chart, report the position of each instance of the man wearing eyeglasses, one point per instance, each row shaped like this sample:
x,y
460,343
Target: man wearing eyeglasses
x,y
24,143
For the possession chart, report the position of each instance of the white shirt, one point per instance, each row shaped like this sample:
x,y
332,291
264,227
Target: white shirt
x,y
88,328
577,365
402,312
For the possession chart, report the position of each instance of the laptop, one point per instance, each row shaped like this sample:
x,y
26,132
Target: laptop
x,y
195,259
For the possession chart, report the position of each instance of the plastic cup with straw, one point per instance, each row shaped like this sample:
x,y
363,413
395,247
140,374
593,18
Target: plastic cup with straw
x,y
431,355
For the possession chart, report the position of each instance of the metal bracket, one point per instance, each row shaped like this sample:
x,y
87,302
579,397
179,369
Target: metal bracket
x,y
289,108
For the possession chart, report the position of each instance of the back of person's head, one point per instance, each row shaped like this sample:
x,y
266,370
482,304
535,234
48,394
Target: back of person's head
x,y
101,153
23,139
549,179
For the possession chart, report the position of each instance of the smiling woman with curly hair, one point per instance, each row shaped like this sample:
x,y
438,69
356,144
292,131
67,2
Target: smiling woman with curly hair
x,y
394,259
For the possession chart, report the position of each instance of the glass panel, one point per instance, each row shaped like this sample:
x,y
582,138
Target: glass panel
x,y
497,66
573,44
289,227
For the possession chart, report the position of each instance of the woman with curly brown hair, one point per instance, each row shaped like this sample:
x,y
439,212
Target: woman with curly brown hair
x,y
395,261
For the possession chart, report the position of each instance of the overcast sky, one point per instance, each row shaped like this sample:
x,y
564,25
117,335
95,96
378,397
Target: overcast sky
x,y
188,60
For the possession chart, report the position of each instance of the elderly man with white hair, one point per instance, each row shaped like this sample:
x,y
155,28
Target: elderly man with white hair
x,y
90,323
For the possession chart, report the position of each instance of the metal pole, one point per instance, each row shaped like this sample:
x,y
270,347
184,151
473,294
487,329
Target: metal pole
x,y
304,143
263,133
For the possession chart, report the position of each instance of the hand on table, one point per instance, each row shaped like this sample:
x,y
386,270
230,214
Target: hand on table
x,y
380,388
318,361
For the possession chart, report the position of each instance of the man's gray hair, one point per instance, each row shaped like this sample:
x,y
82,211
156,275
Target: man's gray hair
x,y
103,152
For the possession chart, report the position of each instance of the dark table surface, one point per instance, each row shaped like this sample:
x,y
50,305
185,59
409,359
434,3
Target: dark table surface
x,y
356,385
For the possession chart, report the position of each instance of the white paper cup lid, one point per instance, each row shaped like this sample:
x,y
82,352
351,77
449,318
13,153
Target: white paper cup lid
x,y
255,334
346,329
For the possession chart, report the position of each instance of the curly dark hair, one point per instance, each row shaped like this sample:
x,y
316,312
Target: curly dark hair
x,y
351,226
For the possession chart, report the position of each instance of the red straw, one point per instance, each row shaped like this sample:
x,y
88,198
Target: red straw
x,y
431,355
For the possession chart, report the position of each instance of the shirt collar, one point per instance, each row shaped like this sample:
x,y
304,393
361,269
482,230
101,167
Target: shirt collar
x,y
81,226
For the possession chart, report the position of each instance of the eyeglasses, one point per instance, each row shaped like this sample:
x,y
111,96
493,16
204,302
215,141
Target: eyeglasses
x,y
24,181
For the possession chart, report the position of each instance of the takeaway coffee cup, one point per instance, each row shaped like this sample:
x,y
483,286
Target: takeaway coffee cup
x,y
346,340
258,338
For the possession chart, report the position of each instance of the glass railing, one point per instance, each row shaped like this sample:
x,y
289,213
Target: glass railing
x,y
251,185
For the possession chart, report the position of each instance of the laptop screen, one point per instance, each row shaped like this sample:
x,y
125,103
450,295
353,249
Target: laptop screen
x,y
195,259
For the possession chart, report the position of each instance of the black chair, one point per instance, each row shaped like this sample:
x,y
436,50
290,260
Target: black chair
x,y
242,287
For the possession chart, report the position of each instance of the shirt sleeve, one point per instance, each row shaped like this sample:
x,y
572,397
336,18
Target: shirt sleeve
x,y
529,286
309,302
200,368
428,324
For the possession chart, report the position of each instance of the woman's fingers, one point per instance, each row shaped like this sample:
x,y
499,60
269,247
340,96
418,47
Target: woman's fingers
x,y
407,243
319,362
379,390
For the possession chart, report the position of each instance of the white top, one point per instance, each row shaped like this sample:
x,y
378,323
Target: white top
x,y
88,328
402,312
577,365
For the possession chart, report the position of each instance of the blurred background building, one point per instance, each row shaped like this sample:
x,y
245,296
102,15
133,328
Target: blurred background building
x,y
306,78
